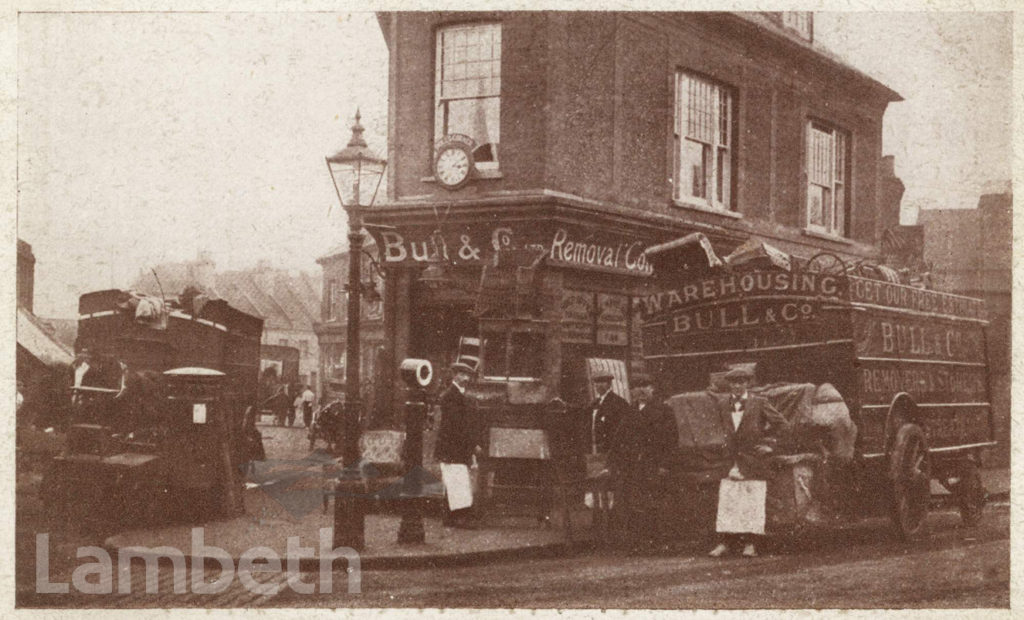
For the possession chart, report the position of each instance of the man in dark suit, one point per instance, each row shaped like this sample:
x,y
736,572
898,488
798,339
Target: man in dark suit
x,y
460,434
752,427
638,457
605,413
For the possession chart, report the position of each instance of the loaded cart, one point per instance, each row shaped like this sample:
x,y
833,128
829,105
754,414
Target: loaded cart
x,y
885,385
161,396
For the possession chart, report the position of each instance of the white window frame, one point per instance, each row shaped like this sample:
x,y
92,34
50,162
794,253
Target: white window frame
x,y
462,87
704,113
827,170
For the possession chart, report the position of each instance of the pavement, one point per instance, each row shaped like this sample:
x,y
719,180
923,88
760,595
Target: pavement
x,y
287,503
268,524
284,499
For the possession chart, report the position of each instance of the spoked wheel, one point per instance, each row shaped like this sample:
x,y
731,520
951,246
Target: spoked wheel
x,y
970,494
826,262
910,474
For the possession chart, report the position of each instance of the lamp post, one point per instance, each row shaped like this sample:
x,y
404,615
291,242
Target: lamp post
x,y
356,172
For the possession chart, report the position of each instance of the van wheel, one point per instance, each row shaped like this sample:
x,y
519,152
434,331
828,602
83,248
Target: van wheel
x,y
910,475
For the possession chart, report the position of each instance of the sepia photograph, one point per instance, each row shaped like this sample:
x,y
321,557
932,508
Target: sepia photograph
x,y
466,308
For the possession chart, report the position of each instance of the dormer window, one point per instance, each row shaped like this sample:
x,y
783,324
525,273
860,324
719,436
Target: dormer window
x,y
802,22
467,88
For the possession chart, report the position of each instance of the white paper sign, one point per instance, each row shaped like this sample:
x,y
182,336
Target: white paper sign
x,y
199,413
457,486
741,506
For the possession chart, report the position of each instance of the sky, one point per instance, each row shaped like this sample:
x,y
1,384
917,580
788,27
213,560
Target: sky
x,y
149,137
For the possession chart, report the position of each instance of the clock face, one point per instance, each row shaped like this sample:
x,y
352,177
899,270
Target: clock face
x,y
452,166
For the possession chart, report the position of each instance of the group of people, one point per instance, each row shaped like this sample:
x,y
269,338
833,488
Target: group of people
x,y
634,444
631,446
287,409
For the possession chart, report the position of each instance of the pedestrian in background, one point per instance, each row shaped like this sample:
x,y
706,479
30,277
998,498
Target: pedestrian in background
x,y
296,410
252,442
308,397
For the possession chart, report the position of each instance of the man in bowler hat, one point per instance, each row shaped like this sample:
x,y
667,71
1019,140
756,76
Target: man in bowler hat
x,y
460,434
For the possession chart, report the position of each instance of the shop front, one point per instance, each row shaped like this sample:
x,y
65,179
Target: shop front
x,y
536,292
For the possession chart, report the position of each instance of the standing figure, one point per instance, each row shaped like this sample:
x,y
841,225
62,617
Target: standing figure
x,y
597,426
307,406
282,403
638,456
459,436
751,426
252,443
296,407
606,411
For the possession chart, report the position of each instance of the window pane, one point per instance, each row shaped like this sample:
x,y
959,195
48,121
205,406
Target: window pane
x,y
468,54
814,206
820,150
494,349
478,119
840,199
692,168
840,157
526,355
724,116
723,172
682,95
701,111
826,208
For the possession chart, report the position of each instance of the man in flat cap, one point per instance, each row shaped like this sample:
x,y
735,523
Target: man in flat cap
x,y
460,434
606,411
751,426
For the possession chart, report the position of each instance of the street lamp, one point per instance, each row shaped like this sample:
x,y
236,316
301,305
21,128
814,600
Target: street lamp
x,y
356,172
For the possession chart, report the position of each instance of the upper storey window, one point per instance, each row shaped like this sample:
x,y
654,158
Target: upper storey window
x,y
827,178
703,150
467,92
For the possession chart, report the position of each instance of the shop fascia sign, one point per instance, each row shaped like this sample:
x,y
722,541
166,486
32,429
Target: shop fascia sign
x,y
561,245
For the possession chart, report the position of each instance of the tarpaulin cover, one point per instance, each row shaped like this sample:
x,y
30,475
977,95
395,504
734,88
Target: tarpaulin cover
x,y
813,411
817,413
697,418
759,254
701,437
793,400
